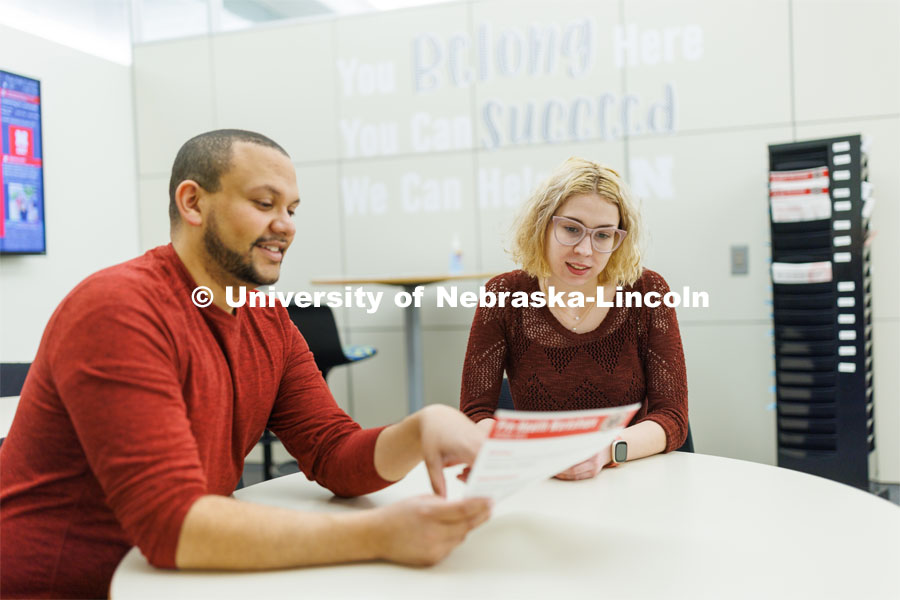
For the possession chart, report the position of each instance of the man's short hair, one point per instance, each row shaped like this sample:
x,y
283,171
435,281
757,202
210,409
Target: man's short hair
x,y
206,157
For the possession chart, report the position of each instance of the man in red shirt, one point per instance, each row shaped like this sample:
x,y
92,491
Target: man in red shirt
x,y
140,407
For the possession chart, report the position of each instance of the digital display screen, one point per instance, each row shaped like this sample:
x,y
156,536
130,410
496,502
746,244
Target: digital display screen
x,y
621,452
22,166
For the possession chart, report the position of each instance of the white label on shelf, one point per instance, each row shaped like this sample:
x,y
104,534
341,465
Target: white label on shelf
x,y
847,367
841,146
842,225
865,190
842,159
842,206
817,272
841,240
847,319
847,351
846,286
840,193
867,207
846,301
794,208
841,257
842,175
847,335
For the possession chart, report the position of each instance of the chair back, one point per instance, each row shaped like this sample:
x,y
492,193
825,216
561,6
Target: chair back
x,y
505,400
317,325
688,445
12,378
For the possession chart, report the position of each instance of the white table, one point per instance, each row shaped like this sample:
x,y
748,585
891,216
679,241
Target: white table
x,y
673,526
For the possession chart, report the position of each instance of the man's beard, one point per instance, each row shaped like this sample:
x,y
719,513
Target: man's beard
x,y
231,262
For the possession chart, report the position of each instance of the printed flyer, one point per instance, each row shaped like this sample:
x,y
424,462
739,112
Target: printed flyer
x,y
527,447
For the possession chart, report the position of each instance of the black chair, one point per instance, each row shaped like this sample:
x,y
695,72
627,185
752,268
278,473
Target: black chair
x,y
506,400
688,445
12,378
320,331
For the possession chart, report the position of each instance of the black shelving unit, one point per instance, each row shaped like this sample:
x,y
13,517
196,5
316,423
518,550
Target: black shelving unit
x,y
822,307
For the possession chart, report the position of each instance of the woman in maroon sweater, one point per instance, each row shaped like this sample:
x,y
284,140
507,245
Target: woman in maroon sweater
x,y
580,230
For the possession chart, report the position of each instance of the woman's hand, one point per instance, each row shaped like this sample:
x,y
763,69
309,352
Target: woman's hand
x,y
584,470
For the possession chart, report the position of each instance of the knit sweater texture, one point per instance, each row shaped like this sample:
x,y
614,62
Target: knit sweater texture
x,y
137,404
635,355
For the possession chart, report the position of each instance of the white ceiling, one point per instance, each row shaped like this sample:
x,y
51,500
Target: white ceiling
x,y
109,28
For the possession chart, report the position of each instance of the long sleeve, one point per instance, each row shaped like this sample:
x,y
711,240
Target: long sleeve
x,y
634,355
486,354
664,368
115,375
137,404
329,446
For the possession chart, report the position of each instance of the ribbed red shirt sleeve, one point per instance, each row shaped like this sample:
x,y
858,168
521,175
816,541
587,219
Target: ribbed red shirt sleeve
x,y
137,404
330,448
664,368
114,371
487,354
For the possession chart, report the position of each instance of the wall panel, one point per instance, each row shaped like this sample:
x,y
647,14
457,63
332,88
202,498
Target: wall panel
x,y
424,125
281,83
173,99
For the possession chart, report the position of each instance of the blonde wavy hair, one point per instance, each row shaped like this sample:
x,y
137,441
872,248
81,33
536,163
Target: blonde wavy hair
x,y
579,176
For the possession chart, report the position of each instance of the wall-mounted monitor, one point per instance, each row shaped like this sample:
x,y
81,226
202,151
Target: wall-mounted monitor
x,y
22,228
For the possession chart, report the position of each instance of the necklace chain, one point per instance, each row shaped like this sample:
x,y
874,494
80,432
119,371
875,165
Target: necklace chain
x,y
568,315
578,317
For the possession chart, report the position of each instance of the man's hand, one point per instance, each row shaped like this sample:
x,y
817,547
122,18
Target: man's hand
x,y
224,533
448,438
423,530
584,470
440,435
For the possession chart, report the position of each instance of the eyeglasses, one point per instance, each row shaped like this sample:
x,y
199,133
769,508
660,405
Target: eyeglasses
x,y
569,232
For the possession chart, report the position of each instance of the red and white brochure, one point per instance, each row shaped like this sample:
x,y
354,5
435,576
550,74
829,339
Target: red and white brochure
x,y
798,273
815,178
800,205
527,447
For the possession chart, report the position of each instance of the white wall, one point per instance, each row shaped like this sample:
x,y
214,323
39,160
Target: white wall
x,y
719,90
90,183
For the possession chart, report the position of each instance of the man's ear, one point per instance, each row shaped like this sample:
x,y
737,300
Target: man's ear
x,y
187,198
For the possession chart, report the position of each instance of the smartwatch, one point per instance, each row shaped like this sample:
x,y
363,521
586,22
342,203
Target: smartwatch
x,y
618,452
